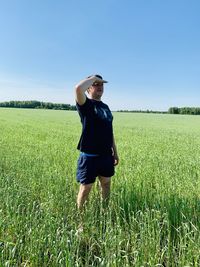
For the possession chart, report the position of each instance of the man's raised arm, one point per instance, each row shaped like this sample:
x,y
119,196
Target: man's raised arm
x,y
82,87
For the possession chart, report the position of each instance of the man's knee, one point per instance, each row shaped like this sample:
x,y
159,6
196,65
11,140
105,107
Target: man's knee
x,y
85,189
105,182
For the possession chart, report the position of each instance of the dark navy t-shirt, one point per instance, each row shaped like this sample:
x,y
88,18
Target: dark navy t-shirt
x,y
97,130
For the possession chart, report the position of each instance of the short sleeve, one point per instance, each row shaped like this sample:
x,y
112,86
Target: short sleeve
x,y
85,108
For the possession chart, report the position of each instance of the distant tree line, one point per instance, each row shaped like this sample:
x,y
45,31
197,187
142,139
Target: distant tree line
x,y
172,110
49,105
36,104
184,110
143,111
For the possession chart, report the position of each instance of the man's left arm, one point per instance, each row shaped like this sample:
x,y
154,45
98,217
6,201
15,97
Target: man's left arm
x,y
115,154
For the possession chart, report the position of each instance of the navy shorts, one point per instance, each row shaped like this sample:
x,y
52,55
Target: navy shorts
x,y
89,167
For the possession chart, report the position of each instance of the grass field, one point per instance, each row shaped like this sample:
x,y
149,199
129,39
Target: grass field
x,y
154,214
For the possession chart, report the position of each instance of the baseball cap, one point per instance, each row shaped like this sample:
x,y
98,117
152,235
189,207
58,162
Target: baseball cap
x,y
100,77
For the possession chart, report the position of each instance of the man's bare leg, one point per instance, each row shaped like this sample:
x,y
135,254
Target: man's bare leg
x,y
82,197
105,183
83,194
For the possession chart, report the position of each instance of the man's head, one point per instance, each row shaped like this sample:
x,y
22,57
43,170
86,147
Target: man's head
x,y
97,88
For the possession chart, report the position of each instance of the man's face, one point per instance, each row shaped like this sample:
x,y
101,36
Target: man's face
x,y
96,90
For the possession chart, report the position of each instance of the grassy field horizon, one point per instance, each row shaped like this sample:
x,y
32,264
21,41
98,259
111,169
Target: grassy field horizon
x,y
153,217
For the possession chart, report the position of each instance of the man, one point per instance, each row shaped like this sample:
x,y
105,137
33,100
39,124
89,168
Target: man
x,y
97,145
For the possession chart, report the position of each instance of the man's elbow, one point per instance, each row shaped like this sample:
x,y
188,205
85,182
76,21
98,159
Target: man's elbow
x,y
80,96
77,89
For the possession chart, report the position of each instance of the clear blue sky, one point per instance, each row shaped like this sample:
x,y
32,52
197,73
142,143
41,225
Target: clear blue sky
x,y
148,50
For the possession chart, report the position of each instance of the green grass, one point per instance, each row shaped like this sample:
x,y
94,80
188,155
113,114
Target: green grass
x,y
154,214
